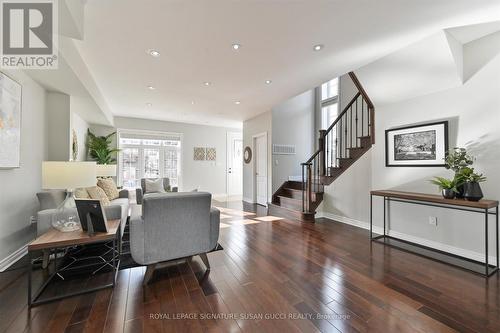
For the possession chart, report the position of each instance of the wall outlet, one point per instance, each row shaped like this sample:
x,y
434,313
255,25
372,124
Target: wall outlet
x,y
433,221
33,220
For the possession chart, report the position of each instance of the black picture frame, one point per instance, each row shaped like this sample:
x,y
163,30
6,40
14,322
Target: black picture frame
x,y
391,162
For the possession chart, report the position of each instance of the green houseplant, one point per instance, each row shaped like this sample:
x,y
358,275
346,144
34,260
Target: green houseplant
x,y
448,187
458,160
99,148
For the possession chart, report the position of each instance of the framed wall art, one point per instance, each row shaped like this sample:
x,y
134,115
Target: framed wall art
x,y
422,145
10,123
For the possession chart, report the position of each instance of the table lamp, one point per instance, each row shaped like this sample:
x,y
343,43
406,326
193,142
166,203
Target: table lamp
x,y
106,170
67,176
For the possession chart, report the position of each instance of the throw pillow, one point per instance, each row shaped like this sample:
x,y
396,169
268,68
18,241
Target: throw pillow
x,y
96,192
109,187
154,185
81,193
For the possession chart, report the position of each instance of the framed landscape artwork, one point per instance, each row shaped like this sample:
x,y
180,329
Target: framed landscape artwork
x,y
10,122
419,145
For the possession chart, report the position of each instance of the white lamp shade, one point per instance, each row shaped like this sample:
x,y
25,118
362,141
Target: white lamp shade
x,y
106,170
68,175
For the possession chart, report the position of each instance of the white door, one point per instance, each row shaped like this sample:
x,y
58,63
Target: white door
x,y
234,164
261,169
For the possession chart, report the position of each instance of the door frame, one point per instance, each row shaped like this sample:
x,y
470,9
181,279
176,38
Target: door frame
x,y
254,166
229,136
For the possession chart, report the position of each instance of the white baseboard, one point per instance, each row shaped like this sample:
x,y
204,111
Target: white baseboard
x,y
422,241
13,258
248,200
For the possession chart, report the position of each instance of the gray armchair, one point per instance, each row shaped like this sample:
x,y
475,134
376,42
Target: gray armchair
x,y
174,226
139,192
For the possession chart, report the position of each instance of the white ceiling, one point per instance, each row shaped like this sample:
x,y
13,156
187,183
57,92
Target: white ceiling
x,y
195,37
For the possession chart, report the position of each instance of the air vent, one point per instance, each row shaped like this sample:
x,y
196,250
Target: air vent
x,y
283,150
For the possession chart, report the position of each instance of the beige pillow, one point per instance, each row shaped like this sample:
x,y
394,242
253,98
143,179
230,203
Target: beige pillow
x,y
81,193
109,187
154,185
96,192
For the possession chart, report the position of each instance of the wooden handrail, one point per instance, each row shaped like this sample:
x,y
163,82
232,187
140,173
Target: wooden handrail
x,y
360,88
315,168
343,113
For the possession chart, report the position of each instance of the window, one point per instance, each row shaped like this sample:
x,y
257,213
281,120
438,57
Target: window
x,y
329,112
149,155
329,102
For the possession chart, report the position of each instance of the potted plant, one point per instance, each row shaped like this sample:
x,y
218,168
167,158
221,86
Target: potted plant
x,y
448,187
99,148
458,160
472,189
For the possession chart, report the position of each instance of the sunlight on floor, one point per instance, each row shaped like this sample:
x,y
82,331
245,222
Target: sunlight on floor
x,y
268,218
224,225
244,222
234,212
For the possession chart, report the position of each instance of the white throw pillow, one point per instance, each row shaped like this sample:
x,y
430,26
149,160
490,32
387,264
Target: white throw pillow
x,y
154,185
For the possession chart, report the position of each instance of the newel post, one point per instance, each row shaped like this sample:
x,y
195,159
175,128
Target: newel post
x,y
322,155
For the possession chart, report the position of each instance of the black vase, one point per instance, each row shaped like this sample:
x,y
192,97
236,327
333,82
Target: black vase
x,y
448,193
460,191
472,191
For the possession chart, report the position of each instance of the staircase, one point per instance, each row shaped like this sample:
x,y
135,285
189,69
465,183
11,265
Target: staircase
x,y
350,136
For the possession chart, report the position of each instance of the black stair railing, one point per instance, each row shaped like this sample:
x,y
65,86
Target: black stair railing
x,y
336,144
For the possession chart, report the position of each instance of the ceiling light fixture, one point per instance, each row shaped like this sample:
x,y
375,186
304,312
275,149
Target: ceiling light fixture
x,y
237,102
149,105
207,83
236,46
268,81
318,47
153,53
151,88
192,102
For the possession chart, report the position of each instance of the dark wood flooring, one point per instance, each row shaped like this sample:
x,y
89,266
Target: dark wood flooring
x,y
324,277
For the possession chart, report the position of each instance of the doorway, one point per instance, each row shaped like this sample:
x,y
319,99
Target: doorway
x,y
234,170
260,169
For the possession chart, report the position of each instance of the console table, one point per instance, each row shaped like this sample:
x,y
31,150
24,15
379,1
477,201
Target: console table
x,y
54,240
484,207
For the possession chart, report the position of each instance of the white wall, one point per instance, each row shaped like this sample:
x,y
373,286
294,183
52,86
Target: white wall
x,y
58,122
203,175
19,186
260,124
474,114
293,124
80,127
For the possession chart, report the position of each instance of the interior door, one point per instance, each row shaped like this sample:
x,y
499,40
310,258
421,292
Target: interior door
x,y
234,164
261,170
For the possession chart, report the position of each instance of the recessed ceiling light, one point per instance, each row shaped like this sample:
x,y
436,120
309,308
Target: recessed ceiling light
x,y
318,47
236,46
268,81
149,105
207,83
151,88
153,53
237,102
192,102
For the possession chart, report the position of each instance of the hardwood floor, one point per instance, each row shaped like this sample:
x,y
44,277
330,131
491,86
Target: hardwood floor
x,y
323,277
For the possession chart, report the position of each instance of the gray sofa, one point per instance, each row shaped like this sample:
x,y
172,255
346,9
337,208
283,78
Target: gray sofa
x,y
174,226
49,200
140,192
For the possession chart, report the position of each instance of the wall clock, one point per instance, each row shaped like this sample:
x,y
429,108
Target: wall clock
x,y
247,155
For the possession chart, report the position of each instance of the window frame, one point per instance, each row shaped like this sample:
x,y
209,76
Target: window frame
x,y
141,148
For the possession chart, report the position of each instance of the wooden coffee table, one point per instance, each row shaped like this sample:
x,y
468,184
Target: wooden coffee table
x,y
54,241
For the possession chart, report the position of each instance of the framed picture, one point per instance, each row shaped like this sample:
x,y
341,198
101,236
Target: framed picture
x,y
417,146
10,122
